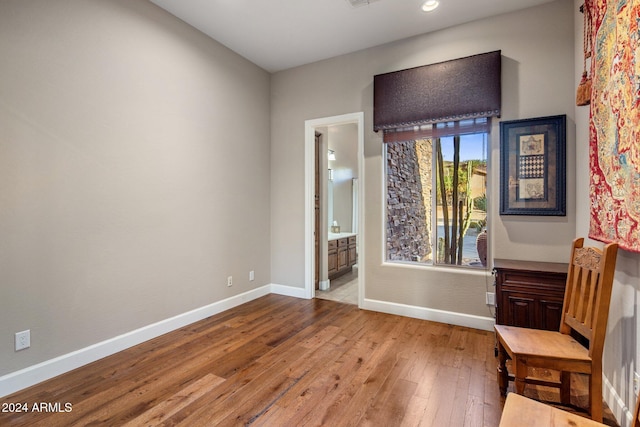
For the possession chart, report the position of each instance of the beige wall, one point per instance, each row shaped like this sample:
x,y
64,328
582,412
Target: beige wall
x,y
134,172
537,49
622,345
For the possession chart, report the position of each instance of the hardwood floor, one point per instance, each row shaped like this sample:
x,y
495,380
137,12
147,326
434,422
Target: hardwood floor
x,y
282,361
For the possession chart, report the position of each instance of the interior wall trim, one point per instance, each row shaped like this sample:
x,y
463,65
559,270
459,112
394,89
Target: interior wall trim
x,y
621,412
434,315
289,291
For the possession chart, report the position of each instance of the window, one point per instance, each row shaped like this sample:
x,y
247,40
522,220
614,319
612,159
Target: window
x,y
436,194
436,169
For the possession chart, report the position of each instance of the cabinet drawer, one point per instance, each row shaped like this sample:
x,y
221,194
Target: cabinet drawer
x,y
548,283
352,240
343,242
333,244
525,280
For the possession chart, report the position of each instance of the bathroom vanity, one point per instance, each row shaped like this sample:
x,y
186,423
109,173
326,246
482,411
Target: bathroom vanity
x,y
342,254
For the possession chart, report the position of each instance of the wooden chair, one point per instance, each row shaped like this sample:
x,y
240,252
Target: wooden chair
x,y
520,411
585,313
635,422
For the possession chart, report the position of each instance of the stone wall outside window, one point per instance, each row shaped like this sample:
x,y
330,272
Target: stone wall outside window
x,y
409,201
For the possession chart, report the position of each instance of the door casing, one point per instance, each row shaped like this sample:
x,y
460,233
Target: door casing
x,y
309,246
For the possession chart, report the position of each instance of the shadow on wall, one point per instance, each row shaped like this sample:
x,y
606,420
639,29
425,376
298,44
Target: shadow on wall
x,y
621,345
620,369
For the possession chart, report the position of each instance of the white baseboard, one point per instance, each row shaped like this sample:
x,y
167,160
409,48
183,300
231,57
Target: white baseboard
x,y
616,404
27,377
289,291
452,318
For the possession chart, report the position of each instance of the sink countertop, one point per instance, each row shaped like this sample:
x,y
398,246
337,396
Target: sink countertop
x,y
336,236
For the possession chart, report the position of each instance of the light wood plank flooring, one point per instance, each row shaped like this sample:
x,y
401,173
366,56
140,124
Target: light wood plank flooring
x,y
282,361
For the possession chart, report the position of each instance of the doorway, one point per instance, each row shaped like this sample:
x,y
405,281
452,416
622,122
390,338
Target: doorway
x,y
317,258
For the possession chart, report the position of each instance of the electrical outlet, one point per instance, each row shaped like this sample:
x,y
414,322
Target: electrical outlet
x,y
230,281
23,340
636,383
490,298
252,276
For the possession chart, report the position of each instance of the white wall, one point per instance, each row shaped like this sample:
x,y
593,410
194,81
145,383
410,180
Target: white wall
x,y
537,49
134,172
622,345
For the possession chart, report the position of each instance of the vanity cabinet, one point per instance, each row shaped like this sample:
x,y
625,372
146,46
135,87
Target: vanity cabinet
x,y
341,256
529,294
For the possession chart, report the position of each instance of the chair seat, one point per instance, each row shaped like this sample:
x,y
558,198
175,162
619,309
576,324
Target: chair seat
x,y
536,344
520,411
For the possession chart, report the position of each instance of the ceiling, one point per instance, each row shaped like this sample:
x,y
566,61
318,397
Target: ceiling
x,y
281,34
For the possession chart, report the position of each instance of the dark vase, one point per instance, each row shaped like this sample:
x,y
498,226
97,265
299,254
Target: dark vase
x,y
481,247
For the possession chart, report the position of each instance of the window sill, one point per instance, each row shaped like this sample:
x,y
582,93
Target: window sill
x,y
457,269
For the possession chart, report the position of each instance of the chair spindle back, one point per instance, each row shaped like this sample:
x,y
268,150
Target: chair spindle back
x,y
588,292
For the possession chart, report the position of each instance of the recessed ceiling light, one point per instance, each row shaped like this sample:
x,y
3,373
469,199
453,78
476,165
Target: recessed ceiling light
x,y
430,5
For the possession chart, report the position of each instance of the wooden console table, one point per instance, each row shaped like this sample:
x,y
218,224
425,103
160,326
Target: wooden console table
x,y
529,294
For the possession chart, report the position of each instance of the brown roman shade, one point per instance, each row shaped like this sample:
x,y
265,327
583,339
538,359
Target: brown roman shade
x,y
465,88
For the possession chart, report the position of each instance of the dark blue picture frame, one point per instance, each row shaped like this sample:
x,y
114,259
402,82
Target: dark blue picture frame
x,y
533,166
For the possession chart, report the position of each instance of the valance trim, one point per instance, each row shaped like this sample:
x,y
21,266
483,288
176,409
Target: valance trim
x,y
438,130
486,114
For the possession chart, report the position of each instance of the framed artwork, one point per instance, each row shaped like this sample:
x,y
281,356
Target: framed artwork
x,y
533,166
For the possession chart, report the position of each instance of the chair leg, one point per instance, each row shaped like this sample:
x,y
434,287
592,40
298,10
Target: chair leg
x,y
565,387
503,374
595,395
521,375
